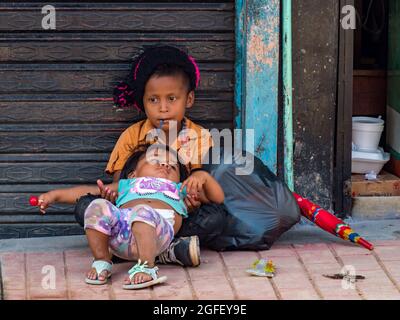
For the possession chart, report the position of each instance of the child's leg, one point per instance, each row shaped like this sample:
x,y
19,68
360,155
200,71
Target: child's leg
x,y
98,243
146,246
152,234
99,222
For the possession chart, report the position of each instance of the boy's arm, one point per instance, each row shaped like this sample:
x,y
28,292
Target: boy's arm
x,y
202,183
116,175
211,191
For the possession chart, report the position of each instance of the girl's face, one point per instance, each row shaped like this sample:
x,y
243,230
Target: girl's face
x,y
166,98
158,163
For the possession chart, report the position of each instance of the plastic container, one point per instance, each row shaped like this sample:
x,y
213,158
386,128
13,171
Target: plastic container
x,y
367,132
365,162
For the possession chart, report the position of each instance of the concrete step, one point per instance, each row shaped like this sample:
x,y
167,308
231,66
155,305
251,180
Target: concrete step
x,y
376,207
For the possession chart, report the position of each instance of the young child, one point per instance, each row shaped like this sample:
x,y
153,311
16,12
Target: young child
x,y
161,84
147,215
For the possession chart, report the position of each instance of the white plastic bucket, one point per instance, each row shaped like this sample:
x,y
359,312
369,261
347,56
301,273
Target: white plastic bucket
x,y
367,132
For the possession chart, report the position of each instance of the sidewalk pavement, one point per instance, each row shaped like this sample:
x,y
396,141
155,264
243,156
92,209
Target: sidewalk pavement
x,y
302,257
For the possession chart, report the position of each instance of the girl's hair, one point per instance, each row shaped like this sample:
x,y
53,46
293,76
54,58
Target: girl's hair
x,y
167,69
161,61
140,151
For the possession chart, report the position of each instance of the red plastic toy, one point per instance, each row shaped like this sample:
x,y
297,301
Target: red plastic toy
x,y
34,201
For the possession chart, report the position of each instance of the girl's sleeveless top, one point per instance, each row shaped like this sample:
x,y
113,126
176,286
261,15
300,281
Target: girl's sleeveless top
x,y
152,188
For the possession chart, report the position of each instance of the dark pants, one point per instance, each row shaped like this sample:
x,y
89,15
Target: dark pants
x,y
206,222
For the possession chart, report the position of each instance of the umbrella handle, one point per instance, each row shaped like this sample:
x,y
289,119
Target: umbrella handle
x,y
365,244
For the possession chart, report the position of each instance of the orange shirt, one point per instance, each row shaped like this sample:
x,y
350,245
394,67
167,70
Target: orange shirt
x,y
192,144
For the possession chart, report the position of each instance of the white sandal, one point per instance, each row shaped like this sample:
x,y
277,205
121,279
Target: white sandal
x,y
100,266
138,268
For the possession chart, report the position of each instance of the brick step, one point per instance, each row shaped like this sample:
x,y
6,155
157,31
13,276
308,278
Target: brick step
x,y
376,207
301,273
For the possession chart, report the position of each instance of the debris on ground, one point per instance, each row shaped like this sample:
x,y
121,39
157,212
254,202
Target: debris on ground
x,y
341,276
262,268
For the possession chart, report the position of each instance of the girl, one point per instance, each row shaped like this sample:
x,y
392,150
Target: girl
x,y
148,213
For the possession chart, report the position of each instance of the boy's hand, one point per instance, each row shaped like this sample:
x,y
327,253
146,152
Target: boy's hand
x,y
194,184
191,203
45,200
106,193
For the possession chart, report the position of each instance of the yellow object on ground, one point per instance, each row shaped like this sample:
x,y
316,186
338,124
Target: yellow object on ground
x,y
262,268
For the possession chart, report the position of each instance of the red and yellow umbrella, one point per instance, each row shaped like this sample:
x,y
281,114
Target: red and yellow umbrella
x,y
329,222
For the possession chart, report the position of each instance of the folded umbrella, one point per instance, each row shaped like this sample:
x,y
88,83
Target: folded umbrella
x,y
329,222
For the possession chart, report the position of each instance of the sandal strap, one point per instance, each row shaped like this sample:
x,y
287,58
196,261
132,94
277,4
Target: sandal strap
x,y
101,265
142,267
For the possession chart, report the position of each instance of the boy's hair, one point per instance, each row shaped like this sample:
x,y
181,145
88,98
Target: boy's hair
x,y
140,151
160,60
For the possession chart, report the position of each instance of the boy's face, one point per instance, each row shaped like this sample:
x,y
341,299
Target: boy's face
x,y
159,163
166,98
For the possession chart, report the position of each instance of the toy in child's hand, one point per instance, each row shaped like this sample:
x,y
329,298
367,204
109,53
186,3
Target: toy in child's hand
x,y
262,268
34,201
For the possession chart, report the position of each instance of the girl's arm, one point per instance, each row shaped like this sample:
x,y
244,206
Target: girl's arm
x,y
72,195
201,183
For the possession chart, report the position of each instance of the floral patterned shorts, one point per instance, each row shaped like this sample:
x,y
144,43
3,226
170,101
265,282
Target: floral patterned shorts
x,y
103,216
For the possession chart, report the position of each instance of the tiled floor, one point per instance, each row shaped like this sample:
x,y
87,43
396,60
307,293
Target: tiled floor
x,y
299,275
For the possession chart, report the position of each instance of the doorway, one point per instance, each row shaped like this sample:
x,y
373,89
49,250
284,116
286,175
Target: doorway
x,y
370,89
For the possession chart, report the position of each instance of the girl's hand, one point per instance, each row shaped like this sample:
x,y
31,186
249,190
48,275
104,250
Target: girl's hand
x,y
107,193
194,183
45,200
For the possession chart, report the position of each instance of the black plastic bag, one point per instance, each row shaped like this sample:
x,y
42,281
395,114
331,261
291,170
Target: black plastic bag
x,y
258,207
207,222
81,206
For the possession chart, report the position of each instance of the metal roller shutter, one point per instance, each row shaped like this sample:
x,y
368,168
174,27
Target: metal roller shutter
x,y
57,127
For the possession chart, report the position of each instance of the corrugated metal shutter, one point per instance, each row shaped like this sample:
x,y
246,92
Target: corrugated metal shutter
x,y
56,128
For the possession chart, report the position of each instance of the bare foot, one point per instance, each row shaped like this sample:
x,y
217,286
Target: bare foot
x,y
139,277
92,275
